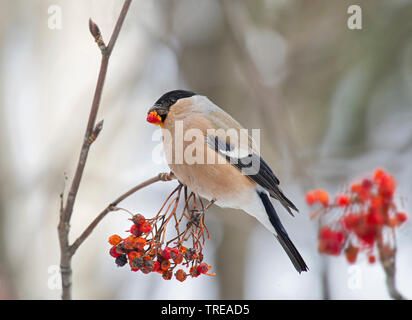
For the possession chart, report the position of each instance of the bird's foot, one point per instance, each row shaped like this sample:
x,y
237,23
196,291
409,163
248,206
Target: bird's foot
x,y
197,214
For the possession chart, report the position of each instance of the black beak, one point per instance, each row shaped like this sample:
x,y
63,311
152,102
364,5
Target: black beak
x,y
161,111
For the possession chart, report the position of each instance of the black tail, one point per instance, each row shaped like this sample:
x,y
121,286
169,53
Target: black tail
x,y
282,235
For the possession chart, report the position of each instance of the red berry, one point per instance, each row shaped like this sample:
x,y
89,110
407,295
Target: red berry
x,y
374,218
350,220
174,252
401,217
156,266
378,174
342,200
367,184
351,253
145,227
322,196
134,254
310,198
377,202
368,238
138,219
139,243
330,241
356,187
113,252
203,267
166,253
135,230
366,232
387,185
372,259
178,259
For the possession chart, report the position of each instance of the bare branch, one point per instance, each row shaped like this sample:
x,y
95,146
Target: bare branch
x,y
96,132
90,135
118,26
112,207
93,114
388,262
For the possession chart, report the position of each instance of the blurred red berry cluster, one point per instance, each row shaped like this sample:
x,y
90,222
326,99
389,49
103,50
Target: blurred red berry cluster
x,y
146,250
363,214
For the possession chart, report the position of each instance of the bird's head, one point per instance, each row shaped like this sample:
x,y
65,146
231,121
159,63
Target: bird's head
x,y
158,113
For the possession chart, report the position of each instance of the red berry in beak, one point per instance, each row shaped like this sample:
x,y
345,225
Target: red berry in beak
x,y
154,118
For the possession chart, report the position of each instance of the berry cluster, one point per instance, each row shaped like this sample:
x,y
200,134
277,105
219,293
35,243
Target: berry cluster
x,y
365,212
145,248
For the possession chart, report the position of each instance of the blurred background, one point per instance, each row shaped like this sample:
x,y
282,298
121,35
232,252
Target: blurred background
x,y
332,104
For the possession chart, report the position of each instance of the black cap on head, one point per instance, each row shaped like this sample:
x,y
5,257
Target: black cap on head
x,y
171,97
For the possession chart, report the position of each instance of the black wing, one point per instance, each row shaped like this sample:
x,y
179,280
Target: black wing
x,y
253,166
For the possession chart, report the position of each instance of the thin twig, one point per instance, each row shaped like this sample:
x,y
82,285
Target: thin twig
x,y
112,207
388,262
91,133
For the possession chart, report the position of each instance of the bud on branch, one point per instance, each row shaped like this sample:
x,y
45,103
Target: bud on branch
x,y
95,31
96,132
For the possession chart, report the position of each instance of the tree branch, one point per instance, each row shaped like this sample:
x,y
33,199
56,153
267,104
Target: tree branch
x,y
90,135
112,207
388,262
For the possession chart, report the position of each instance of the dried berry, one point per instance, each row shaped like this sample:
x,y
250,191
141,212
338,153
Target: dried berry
x,y
137,263
189,254
121,260
165,265
181,275
147,250
138,219
128,243
167,275
148,266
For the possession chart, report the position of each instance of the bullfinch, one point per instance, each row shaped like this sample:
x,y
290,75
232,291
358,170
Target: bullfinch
x,y
214,156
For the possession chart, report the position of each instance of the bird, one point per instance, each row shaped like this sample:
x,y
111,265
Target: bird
x,y
199,141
